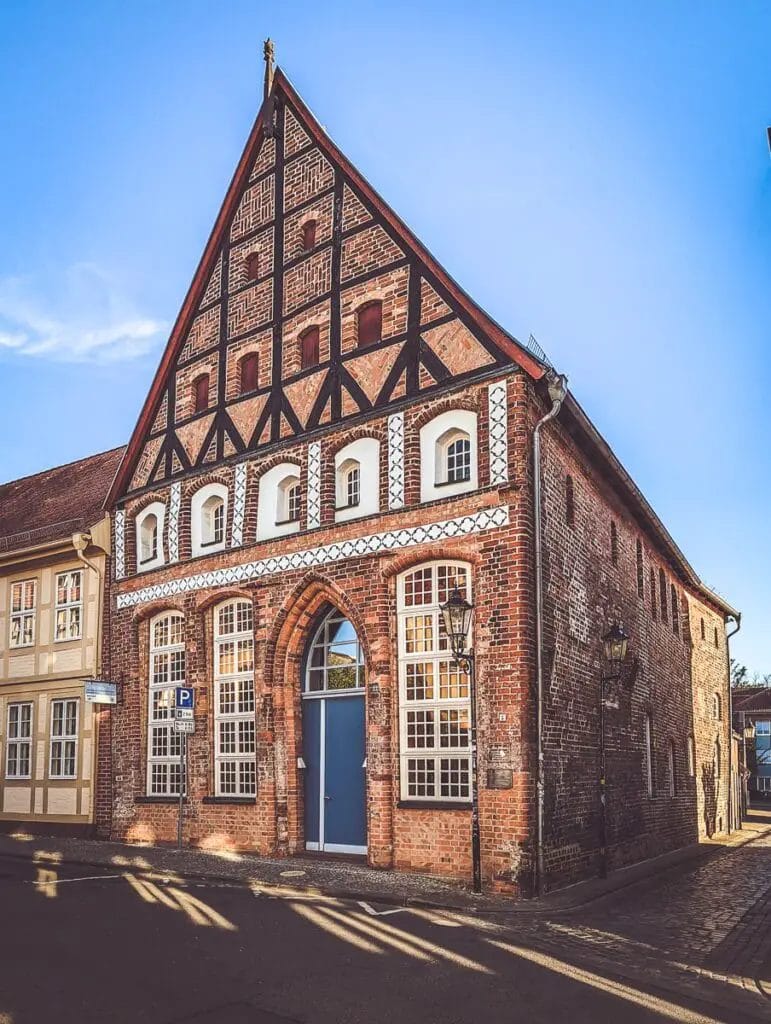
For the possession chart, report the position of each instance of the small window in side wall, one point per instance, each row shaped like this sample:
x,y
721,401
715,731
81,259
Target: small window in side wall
x,y
613,542
453,457
289,500
248,372
663,590
309,348
675,611
369,323
213,521
640,574
648,753
252,263
308,234
570,502
717,642
148,538
349,484
716,707
201,392
703,629
691,756
672,769
653,593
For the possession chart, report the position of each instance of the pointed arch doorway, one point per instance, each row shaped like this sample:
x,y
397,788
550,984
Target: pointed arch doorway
x,y
334,738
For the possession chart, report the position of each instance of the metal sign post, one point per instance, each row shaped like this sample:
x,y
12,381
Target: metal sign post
x,y
184,723
182,766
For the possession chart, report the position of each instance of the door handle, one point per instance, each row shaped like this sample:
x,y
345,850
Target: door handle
x,y
327,797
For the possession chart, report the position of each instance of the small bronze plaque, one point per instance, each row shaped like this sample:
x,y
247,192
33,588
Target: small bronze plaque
x,y
500,778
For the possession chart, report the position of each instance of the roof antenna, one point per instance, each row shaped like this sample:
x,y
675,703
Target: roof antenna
x,y
268,53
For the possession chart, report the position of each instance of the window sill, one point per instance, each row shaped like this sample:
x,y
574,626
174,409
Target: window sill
x,y
434,805
286,522
229,800
158,800
346,508
452,483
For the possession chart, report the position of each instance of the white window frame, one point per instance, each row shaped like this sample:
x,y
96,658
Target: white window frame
x,y
23,613
64,739
166,671
691,756
15,740
648,752
157,509
270,501
68,607
241,717
203,506
364,453
435,438
424,656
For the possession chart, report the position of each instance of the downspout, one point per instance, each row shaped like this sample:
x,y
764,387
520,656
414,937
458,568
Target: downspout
x,y
557,385
731,823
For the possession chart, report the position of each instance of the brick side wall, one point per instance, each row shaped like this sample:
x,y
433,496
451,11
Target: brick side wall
x,y
675,678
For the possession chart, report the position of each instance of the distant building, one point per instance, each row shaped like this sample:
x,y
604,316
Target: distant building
x,y
52,607
752,720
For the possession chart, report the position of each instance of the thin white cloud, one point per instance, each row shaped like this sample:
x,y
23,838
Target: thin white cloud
x,y
79,315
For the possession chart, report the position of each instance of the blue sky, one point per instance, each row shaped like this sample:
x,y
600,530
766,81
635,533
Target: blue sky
x,y
596,174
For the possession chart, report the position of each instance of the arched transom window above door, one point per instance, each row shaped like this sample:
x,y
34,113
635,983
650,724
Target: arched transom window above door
x,y
335,659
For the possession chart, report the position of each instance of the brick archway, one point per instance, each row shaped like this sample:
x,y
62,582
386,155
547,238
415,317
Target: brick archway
x,y
286,648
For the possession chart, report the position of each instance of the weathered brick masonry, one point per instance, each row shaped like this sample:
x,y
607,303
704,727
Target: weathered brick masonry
x,y
303,243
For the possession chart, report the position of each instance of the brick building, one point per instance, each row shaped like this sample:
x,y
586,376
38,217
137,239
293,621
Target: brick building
x,y
335,437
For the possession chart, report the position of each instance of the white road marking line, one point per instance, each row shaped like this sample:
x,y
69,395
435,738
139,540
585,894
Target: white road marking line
x,y
379,913
60,881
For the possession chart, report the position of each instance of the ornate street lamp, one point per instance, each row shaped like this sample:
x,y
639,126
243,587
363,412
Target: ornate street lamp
x,y
615,644
457,616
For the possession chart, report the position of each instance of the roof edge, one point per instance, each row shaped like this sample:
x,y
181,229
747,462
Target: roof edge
x,y
644,508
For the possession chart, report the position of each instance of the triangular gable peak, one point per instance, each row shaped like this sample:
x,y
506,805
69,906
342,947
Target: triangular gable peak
x,y
266,277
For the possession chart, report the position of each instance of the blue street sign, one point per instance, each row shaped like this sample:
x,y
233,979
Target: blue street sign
x,y
184,697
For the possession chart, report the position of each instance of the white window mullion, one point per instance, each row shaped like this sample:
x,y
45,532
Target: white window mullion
x,y
167,671
235,769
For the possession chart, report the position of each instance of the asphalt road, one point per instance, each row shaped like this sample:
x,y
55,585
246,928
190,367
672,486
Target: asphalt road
x,y
82,944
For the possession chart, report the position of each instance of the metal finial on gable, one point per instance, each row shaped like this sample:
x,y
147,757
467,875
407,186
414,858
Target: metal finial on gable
x,y
268,54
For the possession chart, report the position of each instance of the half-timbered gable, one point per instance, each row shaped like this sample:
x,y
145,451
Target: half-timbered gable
x,y
341,310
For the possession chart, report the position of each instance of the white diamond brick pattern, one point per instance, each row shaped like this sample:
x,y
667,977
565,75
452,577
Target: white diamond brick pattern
x,y
314,485
239,506
175,501
499,432
120,544
375,543
396,460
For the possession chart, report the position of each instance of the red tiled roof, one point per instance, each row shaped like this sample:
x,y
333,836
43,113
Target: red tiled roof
x,y
751,698
56,502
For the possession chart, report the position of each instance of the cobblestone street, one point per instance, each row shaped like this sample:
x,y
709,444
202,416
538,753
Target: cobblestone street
x,y
700,929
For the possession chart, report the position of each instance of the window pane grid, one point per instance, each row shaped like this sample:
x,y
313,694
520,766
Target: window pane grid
x,y
64,739
235,745
434,707
69,605
167,671
18,759
23,599
336,660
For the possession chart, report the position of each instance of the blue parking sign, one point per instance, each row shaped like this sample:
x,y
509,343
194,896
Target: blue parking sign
x,y
184,697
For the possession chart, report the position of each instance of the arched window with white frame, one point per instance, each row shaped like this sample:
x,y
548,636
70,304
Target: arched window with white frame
x,y
279,501
149,536
208,518
434,697
448,454
235,769
166,672
716,707
357,479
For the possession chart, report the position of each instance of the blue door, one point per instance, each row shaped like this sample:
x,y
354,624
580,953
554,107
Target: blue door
x,y
334,740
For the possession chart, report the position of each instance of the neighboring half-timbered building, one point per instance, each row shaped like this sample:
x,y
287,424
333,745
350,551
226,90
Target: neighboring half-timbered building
x,y
336,436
